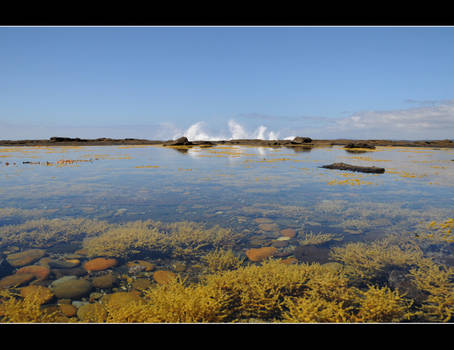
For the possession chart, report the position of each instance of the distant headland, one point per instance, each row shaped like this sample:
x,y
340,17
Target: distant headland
x,y
183,141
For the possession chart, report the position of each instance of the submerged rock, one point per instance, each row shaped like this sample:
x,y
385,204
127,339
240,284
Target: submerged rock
x,y
16,280
259,254
105,281
349,167
26,257
288,232
163,277
99,264
71,287
40,272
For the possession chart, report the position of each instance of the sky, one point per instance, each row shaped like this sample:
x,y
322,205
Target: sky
x,y
223,82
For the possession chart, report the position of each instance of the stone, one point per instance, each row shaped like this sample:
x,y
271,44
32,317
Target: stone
x,y
299,140
268,227
92,312
359,145
119,299
55,283
357,168
72,288
259,254
75,271
40,272
43,294
140,265
99,264
16,280
59,264
68,310
290,260
104,281
263,220
288,232
141,284
26,257
181,141
163,277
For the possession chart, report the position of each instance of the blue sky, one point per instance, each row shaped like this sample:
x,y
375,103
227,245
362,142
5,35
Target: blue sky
x,y
223,82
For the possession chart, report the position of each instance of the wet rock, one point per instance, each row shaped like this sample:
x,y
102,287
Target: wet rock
x,y
105,281
71,288
39,272
26,257
141,284
357,168
140,265
259,254
290,260
16,280
99,264
288,232
269,227
76,271
119,299
59,264
181,141
263,220
353,145
300,140
68,310
163,277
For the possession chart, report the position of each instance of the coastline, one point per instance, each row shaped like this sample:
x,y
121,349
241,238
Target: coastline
x,y
64,141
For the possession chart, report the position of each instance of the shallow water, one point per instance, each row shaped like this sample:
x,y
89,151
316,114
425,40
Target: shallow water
x,y
217,184
229,186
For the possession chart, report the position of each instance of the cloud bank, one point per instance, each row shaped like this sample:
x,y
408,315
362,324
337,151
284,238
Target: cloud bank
x,y
424,122
434,120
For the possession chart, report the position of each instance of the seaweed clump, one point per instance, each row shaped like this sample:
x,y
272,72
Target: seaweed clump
x,y
180,239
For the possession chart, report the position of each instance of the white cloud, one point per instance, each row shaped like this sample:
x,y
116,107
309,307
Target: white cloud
x,y
426,122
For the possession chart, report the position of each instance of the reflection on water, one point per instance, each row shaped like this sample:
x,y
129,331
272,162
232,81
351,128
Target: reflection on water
x,y
221,218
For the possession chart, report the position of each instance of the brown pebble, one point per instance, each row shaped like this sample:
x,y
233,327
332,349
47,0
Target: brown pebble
x,y
68,310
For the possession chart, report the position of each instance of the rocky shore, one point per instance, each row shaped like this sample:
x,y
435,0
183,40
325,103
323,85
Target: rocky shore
x,y
304,142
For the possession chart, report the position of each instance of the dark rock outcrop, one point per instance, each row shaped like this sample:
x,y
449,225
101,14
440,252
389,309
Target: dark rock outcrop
x,y
349,167
359,145
300,140
181,141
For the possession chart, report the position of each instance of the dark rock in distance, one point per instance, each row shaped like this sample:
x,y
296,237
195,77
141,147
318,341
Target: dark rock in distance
x,y
299,140
181,141
359,145
349,167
